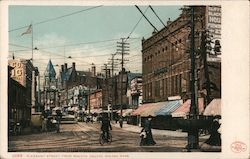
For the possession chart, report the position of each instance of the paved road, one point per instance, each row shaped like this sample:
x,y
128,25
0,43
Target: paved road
x,y
82,137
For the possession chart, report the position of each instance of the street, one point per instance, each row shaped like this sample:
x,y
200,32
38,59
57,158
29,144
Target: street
x,y
83,137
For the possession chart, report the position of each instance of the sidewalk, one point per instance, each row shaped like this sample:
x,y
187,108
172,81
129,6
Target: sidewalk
x,y
137,129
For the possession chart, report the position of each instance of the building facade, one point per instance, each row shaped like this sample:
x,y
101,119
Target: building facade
x,y
135,92
167,64
95,100
17,109
26,75
75,86
50,93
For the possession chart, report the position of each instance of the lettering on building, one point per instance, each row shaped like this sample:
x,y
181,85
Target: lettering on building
x,y
18,72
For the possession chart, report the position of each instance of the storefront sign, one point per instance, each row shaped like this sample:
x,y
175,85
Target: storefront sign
x,y
214,21
214,28
18,73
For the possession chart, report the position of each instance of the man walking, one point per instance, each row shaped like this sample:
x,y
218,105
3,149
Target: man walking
x,y
106,126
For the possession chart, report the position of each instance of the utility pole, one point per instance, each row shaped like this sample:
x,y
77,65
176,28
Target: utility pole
x,y
193,138
123,50
113,68
113,64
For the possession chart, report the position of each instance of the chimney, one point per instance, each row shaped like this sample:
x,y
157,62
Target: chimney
x,y
169,21
65,67
62,68
93,70
73,65
154,32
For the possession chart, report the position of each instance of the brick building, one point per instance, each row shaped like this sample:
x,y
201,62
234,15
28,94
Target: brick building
x,y
75,86
17,108
95,100
24,73
167,64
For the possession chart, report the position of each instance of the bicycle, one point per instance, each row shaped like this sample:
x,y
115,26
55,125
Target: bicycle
x,y
104,138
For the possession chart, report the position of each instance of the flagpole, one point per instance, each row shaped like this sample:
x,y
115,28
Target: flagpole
x,y
32,42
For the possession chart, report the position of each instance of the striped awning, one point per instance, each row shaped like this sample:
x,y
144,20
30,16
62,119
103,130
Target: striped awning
x,y
169,107
142,108
213,108
150,111
125,112
183,110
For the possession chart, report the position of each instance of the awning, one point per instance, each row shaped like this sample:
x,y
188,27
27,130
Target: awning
x,y
95,110
150,111
213,108
125,112
141,108
183,110
169,107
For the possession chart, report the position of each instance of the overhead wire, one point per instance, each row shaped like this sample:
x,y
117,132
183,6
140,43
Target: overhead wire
x,y
157,15
146,18
56,18
136,25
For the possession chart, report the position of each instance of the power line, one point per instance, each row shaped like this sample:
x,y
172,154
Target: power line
x,y
92,42
136,24
157,15
146,18
52,19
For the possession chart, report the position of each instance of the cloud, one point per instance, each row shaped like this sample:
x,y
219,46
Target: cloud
x,y
82,55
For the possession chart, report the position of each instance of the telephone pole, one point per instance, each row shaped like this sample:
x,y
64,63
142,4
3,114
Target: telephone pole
x,y
113,68
123,50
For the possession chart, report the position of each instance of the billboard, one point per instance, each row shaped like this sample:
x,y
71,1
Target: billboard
x,y
19,71
214,28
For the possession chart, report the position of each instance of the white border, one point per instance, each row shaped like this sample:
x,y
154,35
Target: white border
x,y
235,74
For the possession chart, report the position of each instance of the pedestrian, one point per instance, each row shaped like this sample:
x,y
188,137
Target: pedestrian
x,y
121,122
213,143
45,121
143,137
148,131
58,119
105,127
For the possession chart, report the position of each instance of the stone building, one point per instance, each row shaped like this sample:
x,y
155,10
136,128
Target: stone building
x,y
167,64
75,86
50,93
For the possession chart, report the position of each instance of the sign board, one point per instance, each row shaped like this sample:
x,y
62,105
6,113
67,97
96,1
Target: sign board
x,y
213,21
19,71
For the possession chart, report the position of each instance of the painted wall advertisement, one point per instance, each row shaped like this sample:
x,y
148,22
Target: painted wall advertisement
x,y
214,28
18,73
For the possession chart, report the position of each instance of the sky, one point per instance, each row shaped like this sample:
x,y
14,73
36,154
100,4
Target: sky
x,y
88,37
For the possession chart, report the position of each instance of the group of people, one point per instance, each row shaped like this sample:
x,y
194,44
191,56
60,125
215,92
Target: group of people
x,y
48,123
146,133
